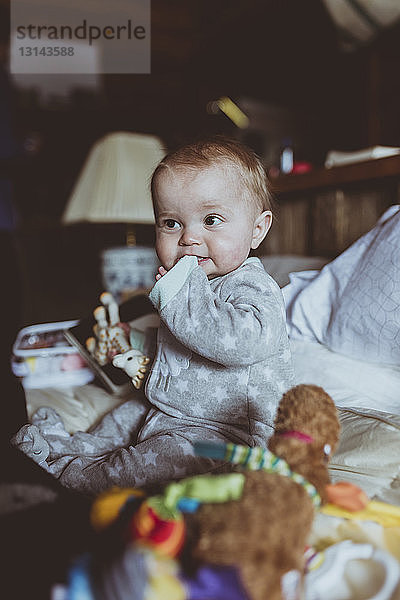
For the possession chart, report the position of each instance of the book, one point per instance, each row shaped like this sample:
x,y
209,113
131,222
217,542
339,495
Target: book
x,y
336,158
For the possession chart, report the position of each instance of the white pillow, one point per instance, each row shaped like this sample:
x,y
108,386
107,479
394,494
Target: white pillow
x,y
353,305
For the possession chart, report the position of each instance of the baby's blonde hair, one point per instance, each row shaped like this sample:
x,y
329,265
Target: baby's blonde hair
x,y
208,152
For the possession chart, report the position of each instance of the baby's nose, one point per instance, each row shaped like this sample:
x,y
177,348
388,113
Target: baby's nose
x,y
189,237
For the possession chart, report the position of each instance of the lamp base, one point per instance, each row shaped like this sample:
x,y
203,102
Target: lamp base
x,y
127,270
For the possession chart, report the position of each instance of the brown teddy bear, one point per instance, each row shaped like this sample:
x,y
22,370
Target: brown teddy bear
x,y
265,533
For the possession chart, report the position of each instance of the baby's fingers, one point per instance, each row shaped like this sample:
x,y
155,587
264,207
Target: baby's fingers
x,y
161,272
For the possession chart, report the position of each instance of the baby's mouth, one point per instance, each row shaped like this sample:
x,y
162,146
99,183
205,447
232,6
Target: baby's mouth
x,y
200,259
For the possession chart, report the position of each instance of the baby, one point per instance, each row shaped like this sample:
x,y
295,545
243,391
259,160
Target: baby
x,y
222,358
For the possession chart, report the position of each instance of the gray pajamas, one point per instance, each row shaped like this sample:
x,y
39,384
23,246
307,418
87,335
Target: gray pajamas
x,y
222,363
223,358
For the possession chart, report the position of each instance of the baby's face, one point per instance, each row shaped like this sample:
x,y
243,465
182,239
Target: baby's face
x,y
204,213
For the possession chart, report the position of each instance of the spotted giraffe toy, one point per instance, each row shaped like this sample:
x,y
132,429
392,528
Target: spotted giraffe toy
x,y
111,342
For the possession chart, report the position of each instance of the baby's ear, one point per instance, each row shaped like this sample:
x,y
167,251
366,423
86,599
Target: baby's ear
x,y
261,227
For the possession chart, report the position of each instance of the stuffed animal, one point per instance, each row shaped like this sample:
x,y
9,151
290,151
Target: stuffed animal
x,y
239,535
111,342
264,535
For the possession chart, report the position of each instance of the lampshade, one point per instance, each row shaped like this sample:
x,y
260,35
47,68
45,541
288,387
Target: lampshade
x,y
114,184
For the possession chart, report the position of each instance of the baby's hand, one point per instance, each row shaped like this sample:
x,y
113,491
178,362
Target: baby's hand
x,y
161,272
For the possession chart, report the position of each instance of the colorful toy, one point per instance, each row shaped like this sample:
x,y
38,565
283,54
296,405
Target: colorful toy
x,y
239,536
111,342
265,534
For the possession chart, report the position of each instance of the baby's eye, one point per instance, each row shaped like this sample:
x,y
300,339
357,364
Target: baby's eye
x,y
171,224
212,220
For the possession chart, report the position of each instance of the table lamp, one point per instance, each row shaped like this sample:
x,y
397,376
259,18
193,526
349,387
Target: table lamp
x,y
114,187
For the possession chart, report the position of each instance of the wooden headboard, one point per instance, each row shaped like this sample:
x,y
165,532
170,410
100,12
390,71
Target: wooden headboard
x,y
322,212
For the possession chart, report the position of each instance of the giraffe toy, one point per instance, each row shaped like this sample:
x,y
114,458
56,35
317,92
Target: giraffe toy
x,y
111,343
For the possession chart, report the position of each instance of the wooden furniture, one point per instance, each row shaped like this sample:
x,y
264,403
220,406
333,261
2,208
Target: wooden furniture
x,y
322,212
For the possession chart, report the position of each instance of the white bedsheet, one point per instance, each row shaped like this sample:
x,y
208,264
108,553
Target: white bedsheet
x,y
80,407
350,382
368,398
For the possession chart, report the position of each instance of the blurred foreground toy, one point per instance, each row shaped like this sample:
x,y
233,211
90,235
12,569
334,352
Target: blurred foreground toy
x,y
237,536
265,534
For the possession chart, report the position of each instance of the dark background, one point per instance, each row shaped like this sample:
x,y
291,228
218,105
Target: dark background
x,y
282,55
275,53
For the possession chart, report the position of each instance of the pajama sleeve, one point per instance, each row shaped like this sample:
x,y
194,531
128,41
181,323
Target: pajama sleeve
x,y
240,326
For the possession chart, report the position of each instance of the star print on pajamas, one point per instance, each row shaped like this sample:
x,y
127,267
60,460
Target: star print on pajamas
x,y
150,457
219,371
182,386
229,341
203,373
220,394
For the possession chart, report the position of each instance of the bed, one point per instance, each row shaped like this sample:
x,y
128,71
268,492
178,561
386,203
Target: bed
x,y
344,330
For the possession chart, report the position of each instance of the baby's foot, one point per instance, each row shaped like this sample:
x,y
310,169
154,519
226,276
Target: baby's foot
x,y
30,441
49,422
